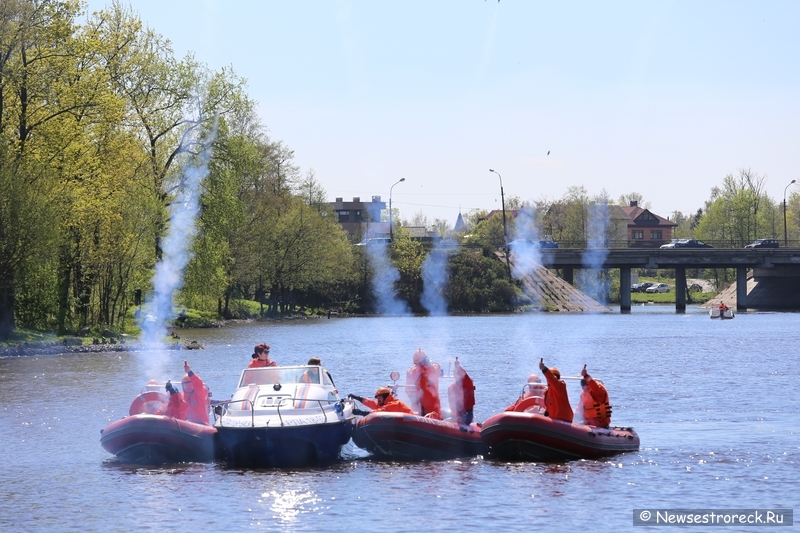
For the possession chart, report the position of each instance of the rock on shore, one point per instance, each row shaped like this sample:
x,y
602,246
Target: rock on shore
x,y
57,347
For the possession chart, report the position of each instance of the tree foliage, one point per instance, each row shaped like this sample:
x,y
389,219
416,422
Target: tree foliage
x,y
478,282
739,212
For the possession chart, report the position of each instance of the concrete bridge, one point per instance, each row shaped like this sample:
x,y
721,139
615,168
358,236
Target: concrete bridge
x,y
776,262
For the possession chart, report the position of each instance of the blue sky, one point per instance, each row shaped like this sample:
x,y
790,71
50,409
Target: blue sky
x,y
662,98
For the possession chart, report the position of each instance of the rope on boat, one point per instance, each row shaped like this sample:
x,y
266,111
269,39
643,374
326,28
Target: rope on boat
x,y
378,446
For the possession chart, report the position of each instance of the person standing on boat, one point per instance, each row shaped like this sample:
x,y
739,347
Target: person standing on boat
x,y
424,377
262,357
384,401
461,395
190,405
556,399
176,407
593,405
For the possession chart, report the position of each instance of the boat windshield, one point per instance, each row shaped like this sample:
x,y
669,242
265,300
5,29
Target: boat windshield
x,y
281,374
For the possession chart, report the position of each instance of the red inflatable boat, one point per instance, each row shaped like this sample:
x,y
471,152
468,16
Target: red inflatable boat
x,y
524,436
147,438
405,437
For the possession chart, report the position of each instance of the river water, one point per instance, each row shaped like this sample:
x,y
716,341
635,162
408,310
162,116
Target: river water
x,y
714,404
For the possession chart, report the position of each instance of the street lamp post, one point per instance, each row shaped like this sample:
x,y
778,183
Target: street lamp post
x,y
785,235
505,228
391,229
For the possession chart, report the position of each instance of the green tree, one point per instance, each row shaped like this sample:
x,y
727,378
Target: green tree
x,y
738,212
47,82
567,219
487,232
301,250
478,283
225,260
793,218
166,98
408,256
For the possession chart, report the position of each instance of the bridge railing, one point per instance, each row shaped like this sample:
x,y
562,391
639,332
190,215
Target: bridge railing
x,y
650,245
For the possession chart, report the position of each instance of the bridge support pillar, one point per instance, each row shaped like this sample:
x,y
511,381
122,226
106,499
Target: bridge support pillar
x,y
680,290
625,290
568,275
741,288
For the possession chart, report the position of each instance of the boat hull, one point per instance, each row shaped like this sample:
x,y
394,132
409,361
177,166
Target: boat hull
x,y
287,446
523,436
156,439
405,437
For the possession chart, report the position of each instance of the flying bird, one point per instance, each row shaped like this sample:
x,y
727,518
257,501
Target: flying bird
x,y
548,152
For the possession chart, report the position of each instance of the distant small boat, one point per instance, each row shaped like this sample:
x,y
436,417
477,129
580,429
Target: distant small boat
x,y
148,438
714,312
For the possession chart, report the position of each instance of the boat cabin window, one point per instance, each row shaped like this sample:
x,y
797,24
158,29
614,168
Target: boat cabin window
x,y
286,374
260,376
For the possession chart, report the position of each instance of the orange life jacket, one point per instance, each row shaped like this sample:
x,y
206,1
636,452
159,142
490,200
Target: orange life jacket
x,y
595,404
413,375
597,414
429,397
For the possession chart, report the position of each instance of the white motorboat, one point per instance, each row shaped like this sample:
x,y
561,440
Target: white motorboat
x,y
284,416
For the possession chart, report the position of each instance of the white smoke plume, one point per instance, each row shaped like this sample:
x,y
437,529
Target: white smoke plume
x,y
526,251
383,279
596,251
168,276
434,277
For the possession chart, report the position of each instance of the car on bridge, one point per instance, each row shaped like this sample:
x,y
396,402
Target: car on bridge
x,y
764,243
531,243
658,287
686,243
373,241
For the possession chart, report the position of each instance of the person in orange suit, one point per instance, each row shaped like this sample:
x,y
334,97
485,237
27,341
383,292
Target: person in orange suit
x,y
176,407
424,378
556,399
384,401
190,405
461,395
261,359
593,405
